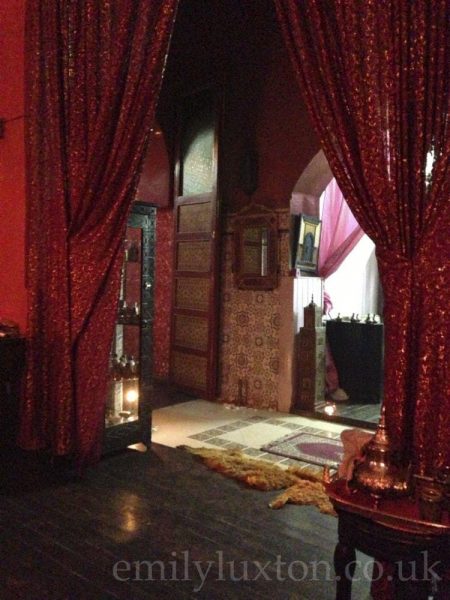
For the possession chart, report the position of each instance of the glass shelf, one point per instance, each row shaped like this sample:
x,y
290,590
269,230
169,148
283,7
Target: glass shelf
x,y
127,410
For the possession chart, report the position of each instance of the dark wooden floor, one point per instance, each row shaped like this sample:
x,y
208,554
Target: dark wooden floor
x,y
60,537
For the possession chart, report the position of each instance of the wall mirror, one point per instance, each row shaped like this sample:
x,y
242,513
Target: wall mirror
x,y
256,248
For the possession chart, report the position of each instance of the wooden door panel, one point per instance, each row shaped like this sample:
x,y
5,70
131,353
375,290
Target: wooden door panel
x,y
194,256
191,293
195,217
193,362
194,310
191,332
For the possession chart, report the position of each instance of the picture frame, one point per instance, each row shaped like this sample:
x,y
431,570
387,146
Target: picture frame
x,y
308,242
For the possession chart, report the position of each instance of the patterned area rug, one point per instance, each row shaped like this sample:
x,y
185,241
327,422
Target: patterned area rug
x,y
308,447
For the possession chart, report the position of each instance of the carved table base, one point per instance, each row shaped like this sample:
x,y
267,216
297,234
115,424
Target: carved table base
x,y
412,555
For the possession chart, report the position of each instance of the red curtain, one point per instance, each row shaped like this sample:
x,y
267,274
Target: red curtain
x,y
93,73
375,78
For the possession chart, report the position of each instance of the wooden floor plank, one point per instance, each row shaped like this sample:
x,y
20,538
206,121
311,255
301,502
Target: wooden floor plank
x,y
60,536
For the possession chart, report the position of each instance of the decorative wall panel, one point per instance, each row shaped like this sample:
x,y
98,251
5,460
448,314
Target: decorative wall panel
x,y
249,369
250,342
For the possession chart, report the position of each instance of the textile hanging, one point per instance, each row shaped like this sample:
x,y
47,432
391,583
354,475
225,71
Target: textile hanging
x,y
93,74
376,82
340,231
339,235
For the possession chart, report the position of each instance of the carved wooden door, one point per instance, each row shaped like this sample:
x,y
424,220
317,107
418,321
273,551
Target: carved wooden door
x,y
194,332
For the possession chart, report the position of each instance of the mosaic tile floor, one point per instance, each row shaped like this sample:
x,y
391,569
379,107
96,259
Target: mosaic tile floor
x,y
201,423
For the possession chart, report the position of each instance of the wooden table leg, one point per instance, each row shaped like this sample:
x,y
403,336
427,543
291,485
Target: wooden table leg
x,y
344,566
408,582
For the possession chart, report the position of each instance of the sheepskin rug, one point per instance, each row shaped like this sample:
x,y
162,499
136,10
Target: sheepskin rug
x,y
301,486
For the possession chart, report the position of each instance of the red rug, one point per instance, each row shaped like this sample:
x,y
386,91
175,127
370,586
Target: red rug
x,y
308,447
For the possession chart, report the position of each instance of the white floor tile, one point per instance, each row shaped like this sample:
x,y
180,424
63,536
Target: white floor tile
x,y
174,425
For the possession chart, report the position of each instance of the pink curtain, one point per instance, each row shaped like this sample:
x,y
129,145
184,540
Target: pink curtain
x,y
340,234
340,231
93,74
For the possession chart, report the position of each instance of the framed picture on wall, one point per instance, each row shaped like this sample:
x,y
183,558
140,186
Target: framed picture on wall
x,y
307,247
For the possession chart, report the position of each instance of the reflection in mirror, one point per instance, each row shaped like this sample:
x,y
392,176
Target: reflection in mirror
x,y
256,249
264,256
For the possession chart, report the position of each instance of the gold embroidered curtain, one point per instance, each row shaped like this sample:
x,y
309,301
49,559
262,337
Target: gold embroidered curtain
x,y
375,76
93,73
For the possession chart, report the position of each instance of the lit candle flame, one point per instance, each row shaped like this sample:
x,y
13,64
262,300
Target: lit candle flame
x,y
330,409
132,396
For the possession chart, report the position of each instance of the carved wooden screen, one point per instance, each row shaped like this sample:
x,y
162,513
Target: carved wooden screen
x,y
193,364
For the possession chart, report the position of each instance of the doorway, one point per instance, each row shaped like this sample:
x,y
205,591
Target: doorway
x,y
346,350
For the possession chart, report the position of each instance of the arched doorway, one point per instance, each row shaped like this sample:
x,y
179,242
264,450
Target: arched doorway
x,y
346,287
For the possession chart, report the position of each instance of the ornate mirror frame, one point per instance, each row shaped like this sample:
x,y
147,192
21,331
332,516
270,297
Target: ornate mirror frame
x,y
256,248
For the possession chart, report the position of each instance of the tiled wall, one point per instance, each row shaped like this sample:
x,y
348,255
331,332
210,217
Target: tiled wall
x,y
256,333
256,327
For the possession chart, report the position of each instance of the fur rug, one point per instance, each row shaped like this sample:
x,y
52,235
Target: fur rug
x,y
301,486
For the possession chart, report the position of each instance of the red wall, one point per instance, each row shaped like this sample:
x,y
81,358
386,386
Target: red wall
x,y
13,303
286,141
239,44
235,43
154,182
163,287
